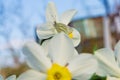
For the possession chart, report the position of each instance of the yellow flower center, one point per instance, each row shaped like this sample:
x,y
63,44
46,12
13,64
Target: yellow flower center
x,y
57,72
70,35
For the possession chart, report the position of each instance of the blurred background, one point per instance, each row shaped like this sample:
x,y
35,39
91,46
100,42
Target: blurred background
x,y
98,22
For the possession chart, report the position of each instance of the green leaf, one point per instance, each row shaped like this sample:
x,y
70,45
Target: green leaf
x,y
96,77
95,48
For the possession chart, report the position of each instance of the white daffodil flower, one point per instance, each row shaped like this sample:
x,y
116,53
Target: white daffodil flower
x,y
60,64
109,62
13,77
56,25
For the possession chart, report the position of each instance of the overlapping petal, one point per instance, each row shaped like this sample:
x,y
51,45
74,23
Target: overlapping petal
x,y
45,46
117,52
51,13
107,63
76,37
75,53
35,56
81,65
61,49
45,31
32,75
67,16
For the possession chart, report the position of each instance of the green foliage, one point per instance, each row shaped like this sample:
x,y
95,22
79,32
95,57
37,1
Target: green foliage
x,y
95,48
96,77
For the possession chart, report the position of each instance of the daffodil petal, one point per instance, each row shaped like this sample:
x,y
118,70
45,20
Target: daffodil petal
x,y
76,37
32,75
1,78
51,13
112,78
82,64
83,77
45,31
45,46
117,52
36,57
67,16
13,77
107,63
75,52
61,49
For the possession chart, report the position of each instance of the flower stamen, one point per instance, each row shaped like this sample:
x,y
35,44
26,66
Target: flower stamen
x,y
57,76
57,72
70,35
63,28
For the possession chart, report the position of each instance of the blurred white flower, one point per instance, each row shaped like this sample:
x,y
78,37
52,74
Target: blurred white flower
x,y
109,62
13,77
60,64
112,78
56,25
